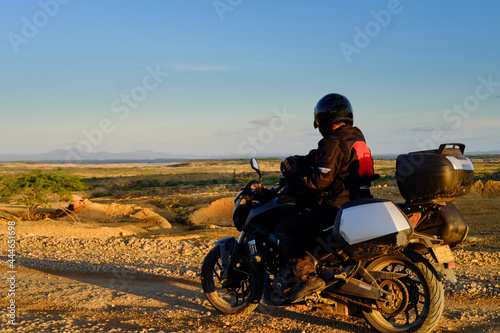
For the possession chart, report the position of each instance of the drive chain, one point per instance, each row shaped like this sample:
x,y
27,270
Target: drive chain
x,y
374,307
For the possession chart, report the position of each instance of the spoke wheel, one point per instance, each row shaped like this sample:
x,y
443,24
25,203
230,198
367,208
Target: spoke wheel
x,y
420,311
240,293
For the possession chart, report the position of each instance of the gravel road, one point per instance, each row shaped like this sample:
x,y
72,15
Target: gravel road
x,y
69,284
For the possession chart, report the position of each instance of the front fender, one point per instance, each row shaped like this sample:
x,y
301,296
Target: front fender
x,y
226,246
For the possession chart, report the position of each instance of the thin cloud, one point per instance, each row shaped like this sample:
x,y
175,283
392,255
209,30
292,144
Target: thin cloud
x,y
482,123
188,67
423,129
261,122
431,129
221,133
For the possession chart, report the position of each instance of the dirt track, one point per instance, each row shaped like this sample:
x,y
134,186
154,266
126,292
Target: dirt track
x,y
84,278
77,302
68,284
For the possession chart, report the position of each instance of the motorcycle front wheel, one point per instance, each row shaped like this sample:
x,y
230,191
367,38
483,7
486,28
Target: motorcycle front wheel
x,y
240,293
420,305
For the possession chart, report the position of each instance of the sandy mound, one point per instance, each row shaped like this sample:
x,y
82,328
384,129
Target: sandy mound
x,y
56,228
488,190
219,212
142,217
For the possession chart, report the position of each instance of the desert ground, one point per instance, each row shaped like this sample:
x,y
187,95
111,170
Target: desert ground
x,y
129,259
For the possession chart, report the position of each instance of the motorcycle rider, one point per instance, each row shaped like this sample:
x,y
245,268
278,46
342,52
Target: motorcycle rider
x,y
338,171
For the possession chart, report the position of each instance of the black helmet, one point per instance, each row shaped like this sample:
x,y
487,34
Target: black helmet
x,y
331,109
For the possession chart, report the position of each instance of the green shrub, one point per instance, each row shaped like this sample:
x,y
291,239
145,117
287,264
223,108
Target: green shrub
x,y
35,187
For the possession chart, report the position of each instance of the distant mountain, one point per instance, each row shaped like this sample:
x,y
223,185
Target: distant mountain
x,y
492,152
75,156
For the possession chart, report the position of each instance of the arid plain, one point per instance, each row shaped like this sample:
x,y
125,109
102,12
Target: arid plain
x,y
129,261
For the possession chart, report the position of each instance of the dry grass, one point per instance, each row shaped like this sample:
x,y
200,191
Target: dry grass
x,y
177,189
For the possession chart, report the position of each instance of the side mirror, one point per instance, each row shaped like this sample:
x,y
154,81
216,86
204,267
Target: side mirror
x,y
255,166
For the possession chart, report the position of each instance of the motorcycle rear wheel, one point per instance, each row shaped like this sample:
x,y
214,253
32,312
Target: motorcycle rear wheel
x,y
240,294
426,297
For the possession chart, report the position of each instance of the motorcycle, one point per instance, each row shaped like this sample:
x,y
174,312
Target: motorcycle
x,y
375,258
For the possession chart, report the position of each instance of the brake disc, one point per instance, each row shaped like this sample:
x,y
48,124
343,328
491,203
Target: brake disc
x,y
399,302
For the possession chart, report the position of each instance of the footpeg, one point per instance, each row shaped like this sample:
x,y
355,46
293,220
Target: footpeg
x,y
314,284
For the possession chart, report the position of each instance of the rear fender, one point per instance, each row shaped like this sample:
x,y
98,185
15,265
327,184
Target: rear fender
x,y
415,257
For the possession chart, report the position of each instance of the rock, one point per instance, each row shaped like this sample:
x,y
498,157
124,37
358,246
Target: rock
x,y
488,190
77,206
8,216
114,212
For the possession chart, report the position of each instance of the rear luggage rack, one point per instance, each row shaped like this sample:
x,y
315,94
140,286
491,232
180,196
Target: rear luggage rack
x,y
456,149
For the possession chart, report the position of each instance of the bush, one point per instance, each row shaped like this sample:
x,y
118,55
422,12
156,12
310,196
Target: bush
x,y
35,187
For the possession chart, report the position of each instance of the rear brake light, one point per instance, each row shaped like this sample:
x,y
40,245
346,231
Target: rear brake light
x,y
449,265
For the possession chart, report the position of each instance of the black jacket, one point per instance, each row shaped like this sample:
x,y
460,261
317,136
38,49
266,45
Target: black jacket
x,y
334,172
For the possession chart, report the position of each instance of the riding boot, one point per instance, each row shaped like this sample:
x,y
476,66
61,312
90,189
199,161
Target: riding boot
x,y
302,269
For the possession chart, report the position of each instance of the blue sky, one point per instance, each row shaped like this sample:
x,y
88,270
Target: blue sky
x,y
240,77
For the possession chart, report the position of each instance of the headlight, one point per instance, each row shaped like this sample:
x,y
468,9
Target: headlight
x,y
239,202
240,213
